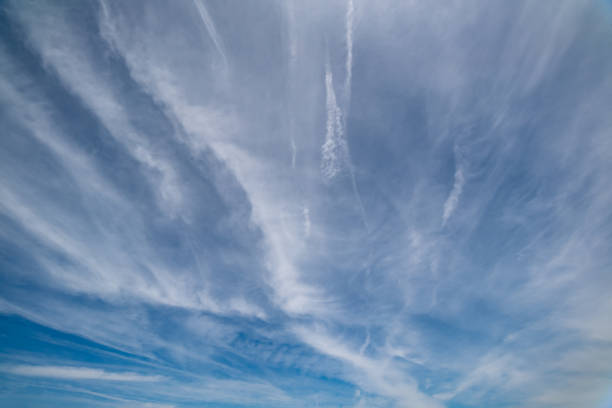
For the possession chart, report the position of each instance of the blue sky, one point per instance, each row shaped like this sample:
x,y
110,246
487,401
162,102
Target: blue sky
x,y
306,204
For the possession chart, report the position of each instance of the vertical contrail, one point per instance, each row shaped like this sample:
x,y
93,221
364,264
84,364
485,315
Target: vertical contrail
x,y
291,32
332,149
335,151
307,223
293,151
210,27
453,198
350,16
292,73
350,12
356,192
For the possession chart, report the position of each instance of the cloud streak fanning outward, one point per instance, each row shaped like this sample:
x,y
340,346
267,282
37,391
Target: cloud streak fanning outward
x,y
305,204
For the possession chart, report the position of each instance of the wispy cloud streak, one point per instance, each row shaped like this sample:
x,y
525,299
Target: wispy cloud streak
x,y
335,155
180,233
334,149
210,28
78,373
450,205
350,15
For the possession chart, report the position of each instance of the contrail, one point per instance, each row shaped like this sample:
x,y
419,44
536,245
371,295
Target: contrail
x,y
453,198
350,15
307,223
291,32
333,148
292,70
356,193
365,345
335,151
210,27
350,12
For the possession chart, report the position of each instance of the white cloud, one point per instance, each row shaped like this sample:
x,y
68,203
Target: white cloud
x,y
350,16
333,151
375,307
377,375
78,373
453,198
210,27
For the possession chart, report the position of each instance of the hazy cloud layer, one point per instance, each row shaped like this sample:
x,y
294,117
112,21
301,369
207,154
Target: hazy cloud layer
x,y
309,204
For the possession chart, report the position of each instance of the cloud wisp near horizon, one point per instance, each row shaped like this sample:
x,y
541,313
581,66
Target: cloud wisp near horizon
x,y
336,203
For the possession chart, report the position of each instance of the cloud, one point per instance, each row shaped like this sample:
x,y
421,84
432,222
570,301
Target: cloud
x,y
307,223
203,226
249,170
453,198
335,156
78,373
105,213
333,151
375,375
210,28
350,15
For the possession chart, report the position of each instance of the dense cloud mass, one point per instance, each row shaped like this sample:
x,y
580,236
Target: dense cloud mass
x,y
326,203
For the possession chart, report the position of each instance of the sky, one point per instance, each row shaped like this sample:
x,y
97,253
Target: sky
x,y
323,203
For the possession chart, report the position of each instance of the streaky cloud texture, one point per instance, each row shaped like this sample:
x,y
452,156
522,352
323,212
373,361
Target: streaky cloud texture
x,y
326,203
